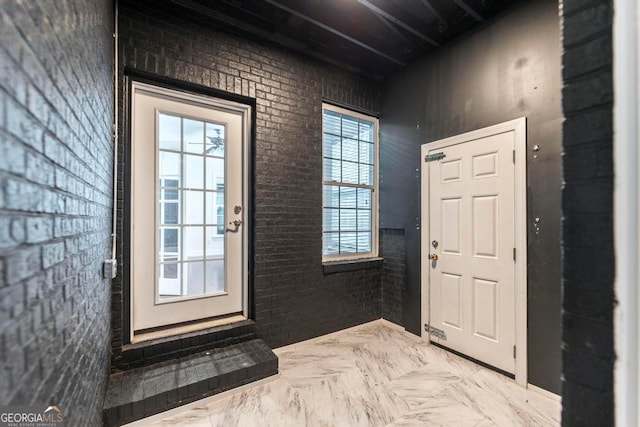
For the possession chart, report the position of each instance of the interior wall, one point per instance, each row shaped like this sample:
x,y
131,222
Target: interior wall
x,y
587,206
56,159
507,68
293,298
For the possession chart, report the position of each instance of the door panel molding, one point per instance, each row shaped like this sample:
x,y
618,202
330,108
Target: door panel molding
x,y
518,127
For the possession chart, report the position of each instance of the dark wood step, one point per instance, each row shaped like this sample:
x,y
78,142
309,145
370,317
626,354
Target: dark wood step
x,y
154,351
141,392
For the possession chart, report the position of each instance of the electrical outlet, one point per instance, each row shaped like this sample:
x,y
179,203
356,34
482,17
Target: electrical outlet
x,y
109,269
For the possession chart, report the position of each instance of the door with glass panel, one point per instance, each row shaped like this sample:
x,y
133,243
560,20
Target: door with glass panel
x,y
187,202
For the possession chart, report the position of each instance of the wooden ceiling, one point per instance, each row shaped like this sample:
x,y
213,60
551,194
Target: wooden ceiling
x,y
371,37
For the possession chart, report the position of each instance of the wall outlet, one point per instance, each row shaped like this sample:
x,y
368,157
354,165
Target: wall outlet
x,y
109,269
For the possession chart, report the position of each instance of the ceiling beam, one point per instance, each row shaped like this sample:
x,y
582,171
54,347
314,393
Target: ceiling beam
x,y
336,32
436,11
398,22
284,40
469,10
390,26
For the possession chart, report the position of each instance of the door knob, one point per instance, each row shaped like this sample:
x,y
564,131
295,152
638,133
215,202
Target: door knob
x,y
433,257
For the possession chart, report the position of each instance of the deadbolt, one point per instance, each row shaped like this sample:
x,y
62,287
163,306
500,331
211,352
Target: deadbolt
x,y
433,257
237,209
434,244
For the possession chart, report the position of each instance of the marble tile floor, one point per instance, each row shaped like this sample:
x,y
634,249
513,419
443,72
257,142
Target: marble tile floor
x,y
375,374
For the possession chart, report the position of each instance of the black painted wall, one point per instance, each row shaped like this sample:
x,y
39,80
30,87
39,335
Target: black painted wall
x,y
508,68
294,300
587,205
56,159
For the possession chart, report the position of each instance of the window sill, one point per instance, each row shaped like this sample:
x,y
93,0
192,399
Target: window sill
x,y
331,267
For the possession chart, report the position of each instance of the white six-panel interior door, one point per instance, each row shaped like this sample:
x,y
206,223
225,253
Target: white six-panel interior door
x,y
474,245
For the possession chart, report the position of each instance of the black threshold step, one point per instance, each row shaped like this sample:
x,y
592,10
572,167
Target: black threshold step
x,y
141,392
157,350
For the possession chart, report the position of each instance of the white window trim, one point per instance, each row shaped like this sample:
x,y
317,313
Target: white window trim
x,y
374,199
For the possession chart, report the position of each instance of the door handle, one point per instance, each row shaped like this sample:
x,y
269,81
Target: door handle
x,y
433,257
236,225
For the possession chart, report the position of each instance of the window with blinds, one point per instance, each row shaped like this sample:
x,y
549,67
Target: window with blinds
x,y
350,182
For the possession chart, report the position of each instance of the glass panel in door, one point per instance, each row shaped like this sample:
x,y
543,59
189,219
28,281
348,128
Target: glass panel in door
x,y
191,171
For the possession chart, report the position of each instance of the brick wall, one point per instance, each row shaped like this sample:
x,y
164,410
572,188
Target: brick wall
x,y
587,204
55,202
294,300
394,273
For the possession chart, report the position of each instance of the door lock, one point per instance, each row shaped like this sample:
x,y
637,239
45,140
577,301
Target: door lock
x,y
433,257
237,209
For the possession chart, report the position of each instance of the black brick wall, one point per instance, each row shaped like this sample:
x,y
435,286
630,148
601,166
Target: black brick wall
x,y
56,158
587,203
394,273
294,300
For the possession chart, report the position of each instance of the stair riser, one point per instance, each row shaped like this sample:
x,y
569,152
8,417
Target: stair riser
x,y
172,350
144,391
148,353
174,398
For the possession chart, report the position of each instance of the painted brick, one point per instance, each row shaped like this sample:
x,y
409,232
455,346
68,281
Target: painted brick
x,y
52,254
587,23
12,155
294,300
39,229
56,103
587,203
392,249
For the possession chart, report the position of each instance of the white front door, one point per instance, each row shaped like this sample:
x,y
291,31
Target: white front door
x,y
471,265
188,211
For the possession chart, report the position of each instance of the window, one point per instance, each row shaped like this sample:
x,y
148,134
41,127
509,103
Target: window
x,y
350,181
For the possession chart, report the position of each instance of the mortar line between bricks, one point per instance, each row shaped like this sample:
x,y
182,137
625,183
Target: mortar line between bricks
x,y
592,37
25,41
606,106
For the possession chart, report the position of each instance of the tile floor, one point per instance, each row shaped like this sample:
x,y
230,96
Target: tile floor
x,y
371,375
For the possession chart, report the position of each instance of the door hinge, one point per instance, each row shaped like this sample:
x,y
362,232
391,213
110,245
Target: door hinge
x,y
514,157
514,351
434,157
514,254
438,333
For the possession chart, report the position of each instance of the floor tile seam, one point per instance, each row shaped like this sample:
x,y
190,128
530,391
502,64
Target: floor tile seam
x,y
314,409
444,389
352,369
491,416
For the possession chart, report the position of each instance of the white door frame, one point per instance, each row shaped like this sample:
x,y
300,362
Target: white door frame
x,y
626,155
220,104
519,127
